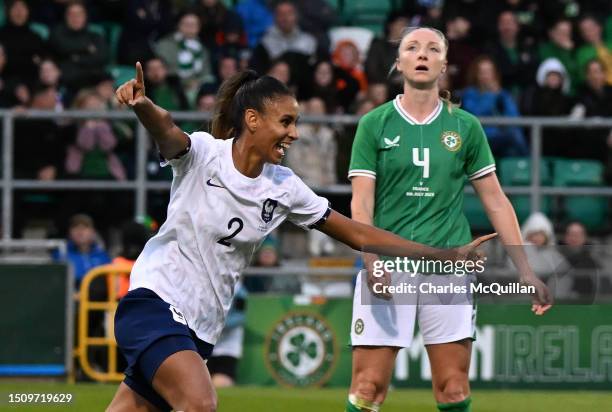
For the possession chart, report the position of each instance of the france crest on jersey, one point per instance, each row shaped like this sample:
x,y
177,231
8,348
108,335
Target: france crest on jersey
x,y
217,217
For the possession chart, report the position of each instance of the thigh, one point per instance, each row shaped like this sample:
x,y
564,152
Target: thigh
x,y
126,400
183,380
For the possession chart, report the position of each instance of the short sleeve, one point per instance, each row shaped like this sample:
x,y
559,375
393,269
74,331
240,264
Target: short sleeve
x,y
479,159
200,147
364,152
307,208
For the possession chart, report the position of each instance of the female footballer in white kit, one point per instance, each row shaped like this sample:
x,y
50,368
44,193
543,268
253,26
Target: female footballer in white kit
x,y
227,194
408,168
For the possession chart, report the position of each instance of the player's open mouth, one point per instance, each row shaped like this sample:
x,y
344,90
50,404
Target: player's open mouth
x,y
422,68
281,147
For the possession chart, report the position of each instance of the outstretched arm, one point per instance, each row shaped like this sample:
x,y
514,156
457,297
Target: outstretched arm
x,y
170,139
368,238
502,216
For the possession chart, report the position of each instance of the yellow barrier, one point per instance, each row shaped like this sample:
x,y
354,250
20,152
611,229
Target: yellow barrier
x,y
112,272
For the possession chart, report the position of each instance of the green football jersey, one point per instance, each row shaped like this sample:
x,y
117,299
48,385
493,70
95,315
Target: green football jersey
x,y
421,169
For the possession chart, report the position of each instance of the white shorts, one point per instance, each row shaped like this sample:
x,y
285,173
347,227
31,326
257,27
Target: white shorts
x,y
380,322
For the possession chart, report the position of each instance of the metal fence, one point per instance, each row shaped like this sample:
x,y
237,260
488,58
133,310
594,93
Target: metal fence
x,y
139,186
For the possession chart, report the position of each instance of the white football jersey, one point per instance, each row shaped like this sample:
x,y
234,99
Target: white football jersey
x,y
217,217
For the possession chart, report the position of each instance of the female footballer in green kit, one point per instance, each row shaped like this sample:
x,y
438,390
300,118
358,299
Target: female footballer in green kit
x,y
409,162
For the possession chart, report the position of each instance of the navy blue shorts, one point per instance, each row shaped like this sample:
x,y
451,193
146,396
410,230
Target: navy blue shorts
x,y
148,330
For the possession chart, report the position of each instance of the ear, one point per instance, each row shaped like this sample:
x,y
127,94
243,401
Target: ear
x,y
444,67
251,120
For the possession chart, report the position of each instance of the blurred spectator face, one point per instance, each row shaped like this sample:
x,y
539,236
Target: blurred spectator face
x,y
19,13
323,74
458,28
554,80
378,93
364,107
575,235
49,73
76,17
486,75
267,257
396,28
537,238
285,17
189,26
281,72
590,30
206,103
228,66
346,55
209,3
82,235
507,26
44,99
106,90
315,106
92,102
421,57
156,71
595,75
561,34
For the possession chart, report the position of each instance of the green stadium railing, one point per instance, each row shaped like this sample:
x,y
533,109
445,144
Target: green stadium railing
x,y
141,186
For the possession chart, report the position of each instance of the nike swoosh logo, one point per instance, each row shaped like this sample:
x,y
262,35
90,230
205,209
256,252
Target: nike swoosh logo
x,y
210,183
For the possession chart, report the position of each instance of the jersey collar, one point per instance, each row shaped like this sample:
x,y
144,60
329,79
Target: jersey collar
x,y
432,116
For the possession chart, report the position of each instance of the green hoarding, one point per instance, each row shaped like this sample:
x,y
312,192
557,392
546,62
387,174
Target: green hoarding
x,y
291,341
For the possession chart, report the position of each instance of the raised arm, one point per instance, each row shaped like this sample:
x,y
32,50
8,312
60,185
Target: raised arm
x,y
170,139
502,216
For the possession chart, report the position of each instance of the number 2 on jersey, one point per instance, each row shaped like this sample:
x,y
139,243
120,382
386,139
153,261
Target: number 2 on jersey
x,y
225,240
416,159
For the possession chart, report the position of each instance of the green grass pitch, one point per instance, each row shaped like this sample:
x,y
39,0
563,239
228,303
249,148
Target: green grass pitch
x,y
95,397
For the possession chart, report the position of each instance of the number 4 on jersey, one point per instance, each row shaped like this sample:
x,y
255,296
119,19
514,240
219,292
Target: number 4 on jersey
x,y
416,159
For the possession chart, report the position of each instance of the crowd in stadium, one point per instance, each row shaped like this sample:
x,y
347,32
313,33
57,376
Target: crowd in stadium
x,y
507,58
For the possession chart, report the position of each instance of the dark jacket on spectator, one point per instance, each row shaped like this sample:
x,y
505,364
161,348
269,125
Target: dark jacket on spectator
x,y
516,66
81,55
23,49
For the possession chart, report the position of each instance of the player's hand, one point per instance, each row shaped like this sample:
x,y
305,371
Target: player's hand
x,y
542,300
132,92
384,280
471,251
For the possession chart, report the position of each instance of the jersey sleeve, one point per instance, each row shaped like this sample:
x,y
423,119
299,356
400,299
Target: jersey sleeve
x,y
307,208
479,159
364,152
199,148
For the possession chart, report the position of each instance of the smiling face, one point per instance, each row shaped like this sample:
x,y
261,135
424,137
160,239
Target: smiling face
x,y
422,58
274,129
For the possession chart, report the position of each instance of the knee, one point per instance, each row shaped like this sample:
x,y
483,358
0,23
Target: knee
x,y
369,386
202,405
452,389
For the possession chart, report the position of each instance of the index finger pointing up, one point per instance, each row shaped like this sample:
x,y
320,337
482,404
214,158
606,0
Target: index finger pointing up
x,y
139,75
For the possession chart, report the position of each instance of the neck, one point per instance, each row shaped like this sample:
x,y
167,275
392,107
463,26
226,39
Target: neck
x,y
420,102
246,159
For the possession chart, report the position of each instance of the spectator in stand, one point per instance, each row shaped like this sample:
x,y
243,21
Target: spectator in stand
x,y
594,47
45,162
485,97
228,66
223,362
49,75
232,42
516,60
346,58
346,135
461,52
83,252
256,17
144,22
13,93
184,54
526,13
92,155
265,257
430,13
383,52
333,86
164,89
560,45
378,93
550,98
82,55
285,40
24,49
213,19
280,70
317,17
575,250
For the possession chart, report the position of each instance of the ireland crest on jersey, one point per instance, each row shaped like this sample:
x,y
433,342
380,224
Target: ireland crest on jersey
x,y
451,141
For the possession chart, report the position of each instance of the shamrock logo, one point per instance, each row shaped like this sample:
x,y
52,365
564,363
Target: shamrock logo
x,y
300,348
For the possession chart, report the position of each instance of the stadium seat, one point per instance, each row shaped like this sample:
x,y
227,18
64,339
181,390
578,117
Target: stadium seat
x,y
121,74
41,29
516,171
591,211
